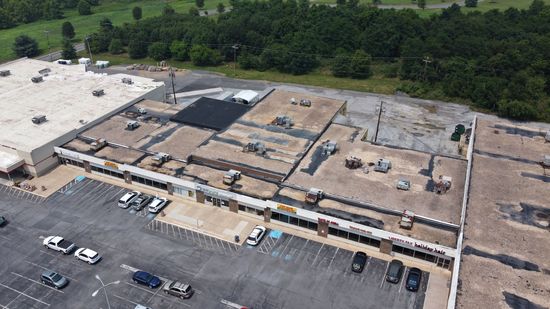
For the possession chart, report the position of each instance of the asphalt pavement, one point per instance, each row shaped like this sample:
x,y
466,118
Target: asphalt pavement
x,y
284,271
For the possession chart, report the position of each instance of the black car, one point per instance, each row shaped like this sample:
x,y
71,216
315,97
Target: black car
x,y
413,279
359,260
140,203
395,271
3,221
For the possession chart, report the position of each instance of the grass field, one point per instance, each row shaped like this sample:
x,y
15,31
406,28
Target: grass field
x,y
117,11
377,83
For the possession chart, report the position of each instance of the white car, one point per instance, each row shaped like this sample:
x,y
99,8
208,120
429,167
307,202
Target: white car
x,y
128,198
87,255
256,236
157,204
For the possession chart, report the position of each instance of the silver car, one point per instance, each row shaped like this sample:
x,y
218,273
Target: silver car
x,y
178,289
53,279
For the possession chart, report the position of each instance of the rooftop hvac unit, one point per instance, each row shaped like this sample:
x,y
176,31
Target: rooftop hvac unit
x,y
98,144
407,219
231,176
443,185
403,184
382,165
285,121
44,71
329,147
39,119
353,162
5,73
127,81
314,195
132,125
305,102
257,147
162,157
37,79
98,92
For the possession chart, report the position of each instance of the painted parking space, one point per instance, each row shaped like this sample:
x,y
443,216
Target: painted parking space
x,y
194,237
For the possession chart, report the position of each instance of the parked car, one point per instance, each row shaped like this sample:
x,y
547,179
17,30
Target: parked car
x,y
157,204
87,255
145,278
256,236
3,221
395,271
358,262
53,279
128,198
138,306
178,289
413,279
139,203
57,243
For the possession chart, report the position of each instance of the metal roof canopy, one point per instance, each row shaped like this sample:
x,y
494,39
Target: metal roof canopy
x,y
9,162
210,113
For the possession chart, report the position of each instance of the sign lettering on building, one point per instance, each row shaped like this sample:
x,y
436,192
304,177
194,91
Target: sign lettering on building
x,y
328,221
286,208
417,245
111,164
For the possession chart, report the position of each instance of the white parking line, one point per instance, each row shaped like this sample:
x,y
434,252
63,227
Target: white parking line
x,y
4,237
42,284
50,269
403,280
125,299
317,255
332,259
384,275
21,293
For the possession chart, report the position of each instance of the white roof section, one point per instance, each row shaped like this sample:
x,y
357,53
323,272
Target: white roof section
x,y
247,95
9,162
64,97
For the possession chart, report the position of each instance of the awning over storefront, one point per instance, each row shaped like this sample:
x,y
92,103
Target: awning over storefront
x,y
9,162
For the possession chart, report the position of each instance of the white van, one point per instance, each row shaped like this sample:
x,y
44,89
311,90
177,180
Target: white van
x,y
128,198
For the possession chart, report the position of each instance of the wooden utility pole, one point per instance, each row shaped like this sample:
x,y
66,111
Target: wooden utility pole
x,y
172,75
235,47
378,123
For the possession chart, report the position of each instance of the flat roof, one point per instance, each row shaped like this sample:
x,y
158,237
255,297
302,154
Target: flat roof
x,y
246,185
210,113
284,146
64,97
506,256
421,169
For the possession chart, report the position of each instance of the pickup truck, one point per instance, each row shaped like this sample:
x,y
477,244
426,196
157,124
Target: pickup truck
x,y
57,243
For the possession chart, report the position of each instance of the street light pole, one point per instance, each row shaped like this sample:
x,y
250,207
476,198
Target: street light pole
x,y
103,287
172,75
235,47
87,39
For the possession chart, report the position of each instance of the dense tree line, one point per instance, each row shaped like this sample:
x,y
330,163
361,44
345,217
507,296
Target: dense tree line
x,y
498,60
14,12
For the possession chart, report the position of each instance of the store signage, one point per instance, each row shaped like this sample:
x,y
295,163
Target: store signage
x,y
286,208
214,193
111,164
359,230
327,221
417,245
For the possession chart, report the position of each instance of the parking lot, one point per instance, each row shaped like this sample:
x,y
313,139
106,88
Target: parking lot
x,y
283,271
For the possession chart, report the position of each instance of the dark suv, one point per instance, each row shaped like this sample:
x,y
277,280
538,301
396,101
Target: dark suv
x,y
140,203
145,278
413,279
395,271
359,260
